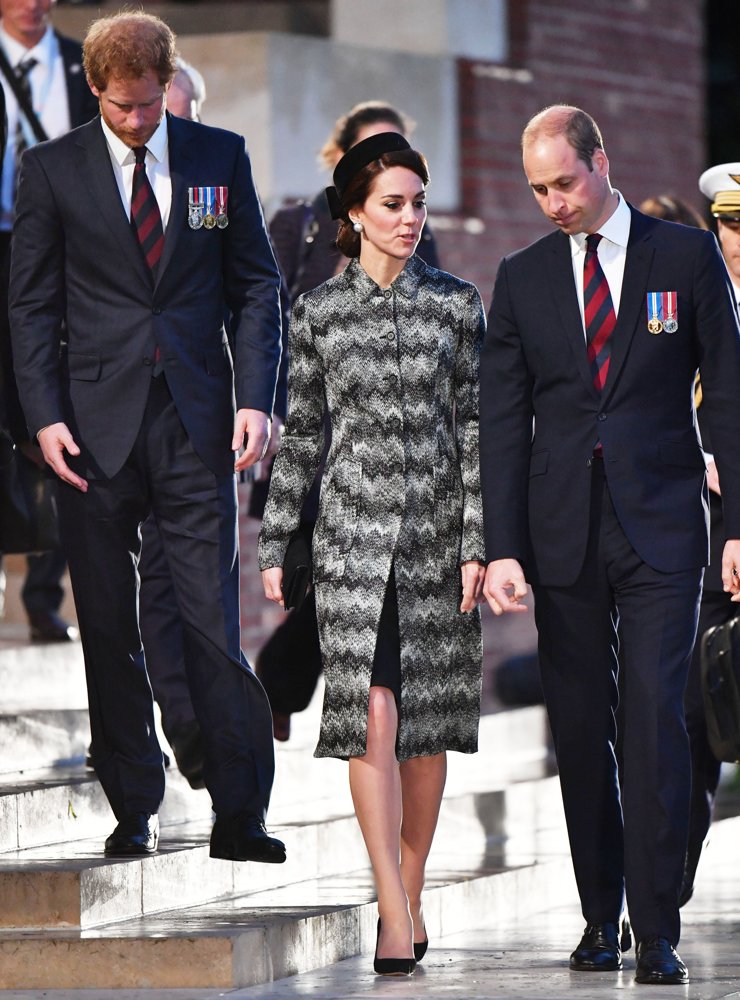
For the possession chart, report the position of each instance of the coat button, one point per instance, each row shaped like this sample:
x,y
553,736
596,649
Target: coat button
x,y
601,416
397,467
147,361
392,379
388,293
156,311
391,335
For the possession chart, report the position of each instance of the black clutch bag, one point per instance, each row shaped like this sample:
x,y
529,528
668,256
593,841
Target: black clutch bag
x,y
297,570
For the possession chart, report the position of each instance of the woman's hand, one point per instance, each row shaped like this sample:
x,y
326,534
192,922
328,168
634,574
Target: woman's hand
x,y
272,581
473,574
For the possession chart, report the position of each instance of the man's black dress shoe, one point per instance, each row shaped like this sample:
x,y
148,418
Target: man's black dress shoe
x,y
135,835
658,963
600,949
189,750
47,626
244,838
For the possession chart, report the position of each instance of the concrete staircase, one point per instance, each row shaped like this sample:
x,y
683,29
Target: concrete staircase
x,y
71,919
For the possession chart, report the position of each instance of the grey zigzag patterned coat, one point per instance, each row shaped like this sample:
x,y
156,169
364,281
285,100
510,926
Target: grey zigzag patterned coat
x,y
399,372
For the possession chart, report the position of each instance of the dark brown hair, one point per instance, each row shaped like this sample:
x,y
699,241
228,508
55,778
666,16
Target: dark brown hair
x,y
127,46
347,128
672,209
359,188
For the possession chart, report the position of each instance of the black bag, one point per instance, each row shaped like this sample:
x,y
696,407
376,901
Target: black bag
x,y
297,570
28,512
720,684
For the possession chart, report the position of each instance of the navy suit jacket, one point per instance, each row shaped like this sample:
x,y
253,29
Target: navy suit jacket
x,y
83,104
541,415
76,264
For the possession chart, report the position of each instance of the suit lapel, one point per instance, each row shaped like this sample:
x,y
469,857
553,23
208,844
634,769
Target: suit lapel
x,y
563,290
181,160
102,190
637,265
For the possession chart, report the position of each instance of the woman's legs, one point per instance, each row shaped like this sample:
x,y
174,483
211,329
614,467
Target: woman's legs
x,y
422,784
375,783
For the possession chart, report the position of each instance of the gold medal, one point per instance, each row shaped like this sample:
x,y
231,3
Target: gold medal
x,y
209,221
654,325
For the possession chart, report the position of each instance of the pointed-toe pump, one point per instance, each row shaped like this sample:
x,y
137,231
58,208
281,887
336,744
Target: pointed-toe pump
x,y
393,966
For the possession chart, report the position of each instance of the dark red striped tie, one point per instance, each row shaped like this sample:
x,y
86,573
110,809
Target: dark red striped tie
x,y
145,217
598,310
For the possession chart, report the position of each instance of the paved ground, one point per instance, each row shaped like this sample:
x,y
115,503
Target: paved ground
x,y
527,961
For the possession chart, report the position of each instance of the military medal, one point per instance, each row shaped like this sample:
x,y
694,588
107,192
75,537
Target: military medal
x,y
209,219
195,208
670,323
654,310
222,198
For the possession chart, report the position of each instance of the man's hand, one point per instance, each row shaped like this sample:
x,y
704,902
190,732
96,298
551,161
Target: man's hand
x,y
505,586
255,426
272,581
731,568
472,585
55,440
713,479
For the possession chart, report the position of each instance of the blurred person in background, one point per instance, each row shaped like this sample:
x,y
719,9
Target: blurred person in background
x,y
47,74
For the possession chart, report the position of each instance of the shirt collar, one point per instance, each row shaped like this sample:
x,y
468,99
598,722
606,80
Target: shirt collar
x,y
124,154
616,229
43,52
406,284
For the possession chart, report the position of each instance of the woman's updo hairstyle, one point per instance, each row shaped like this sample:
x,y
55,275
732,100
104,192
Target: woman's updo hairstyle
x,y
348,127
356,173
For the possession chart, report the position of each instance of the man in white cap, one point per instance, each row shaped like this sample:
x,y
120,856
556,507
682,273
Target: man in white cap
x,y
721,184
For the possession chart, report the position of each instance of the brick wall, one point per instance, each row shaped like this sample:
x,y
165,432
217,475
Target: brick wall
x,y
636,65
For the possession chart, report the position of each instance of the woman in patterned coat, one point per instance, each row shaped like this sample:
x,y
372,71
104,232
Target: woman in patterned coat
x,y
391,347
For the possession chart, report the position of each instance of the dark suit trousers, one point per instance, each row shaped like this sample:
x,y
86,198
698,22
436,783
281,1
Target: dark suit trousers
x,y
638,841
196,514
162,634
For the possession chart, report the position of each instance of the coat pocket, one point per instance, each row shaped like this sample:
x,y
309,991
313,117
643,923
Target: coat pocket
x,y
338,519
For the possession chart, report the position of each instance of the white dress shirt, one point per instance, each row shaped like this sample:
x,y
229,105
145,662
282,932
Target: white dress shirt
x,y
157,168
50,102
615,234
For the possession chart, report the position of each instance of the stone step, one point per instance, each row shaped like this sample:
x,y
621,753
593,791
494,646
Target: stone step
x,y
35,740
42,676
497,858
72,885
66,803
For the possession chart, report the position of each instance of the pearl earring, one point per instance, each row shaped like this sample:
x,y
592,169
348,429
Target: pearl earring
x,y
357,226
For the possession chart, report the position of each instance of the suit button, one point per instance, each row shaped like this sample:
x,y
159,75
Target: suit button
x,y
601,416
157,311
147,361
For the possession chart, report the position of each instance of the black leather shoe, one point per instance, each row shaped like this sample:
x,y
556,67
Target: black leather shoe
x,y
47,626
658,963
244,838
135,835
189,750
600,949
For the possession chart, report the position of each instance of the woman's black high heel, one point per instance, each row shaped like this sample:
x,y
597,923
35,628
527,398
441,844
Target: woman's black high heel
x,y
420,949
393,966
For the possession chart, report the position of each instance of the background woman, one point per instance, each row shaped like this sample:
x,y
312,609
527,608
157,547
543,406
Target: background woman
x,y
392,346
